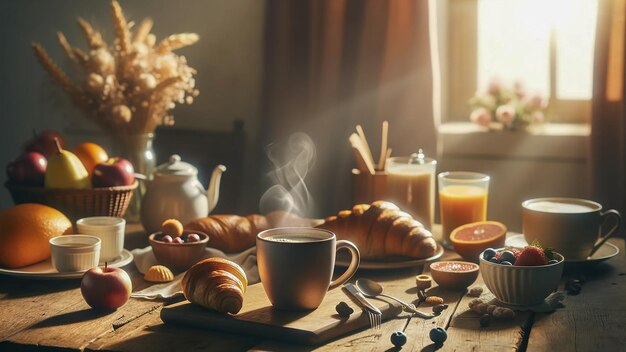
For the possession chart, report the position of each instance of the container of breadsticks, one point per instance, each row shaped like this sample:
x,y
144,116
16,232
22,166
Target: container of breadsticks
x,y
369,179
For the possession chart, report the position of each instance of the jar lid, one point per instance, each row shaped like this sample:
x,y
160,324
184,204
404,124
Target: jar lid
x,y
174,166
414,159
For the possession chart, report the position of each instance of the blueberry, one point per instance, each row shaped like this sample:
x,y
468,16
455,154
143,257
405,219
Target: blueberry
x,y
398,338
553,261
489,253
438,336
494,260
439,308
343,309
507,256
505,262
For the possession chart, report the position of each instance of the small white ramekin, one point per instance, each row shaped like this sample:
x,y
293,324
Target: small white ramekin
x,y
72,253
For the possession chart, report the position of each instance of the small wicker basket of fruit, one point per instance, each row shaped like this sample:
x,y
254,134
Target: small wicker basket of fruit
x,y
82,183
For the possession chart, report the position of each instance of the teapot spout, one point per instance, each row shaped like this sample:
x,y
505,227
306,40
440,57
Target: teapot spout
x,y
213,193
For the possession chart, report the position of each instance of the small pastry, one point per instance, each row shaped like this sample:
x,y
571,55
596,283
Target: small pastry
x,y
172,227
158,273
217,284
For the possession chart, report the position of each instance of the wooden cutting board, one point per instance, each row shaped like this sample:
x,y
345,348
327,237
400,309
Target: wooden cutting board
x,y
259,318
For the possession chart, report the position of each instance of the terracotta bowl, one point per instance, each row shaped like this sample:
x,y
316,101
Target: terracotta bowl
x,y
454,275
178,256
521,285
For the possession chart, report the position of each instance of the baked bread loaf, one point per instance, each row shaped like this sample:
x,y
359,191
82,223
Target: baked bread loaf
x,y
217,284
233,233
230,233
380,230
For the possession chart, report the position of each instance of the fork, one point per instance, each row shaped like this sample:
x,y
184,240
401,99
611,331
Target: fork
x,y
375,319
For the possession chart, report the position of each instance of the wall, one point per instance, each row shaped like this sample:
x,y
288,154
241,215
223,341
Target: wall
x,y
228,58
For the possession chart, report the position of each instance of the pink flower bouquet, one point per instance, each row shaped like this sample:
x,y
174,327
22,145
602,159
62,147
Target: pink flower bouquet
x,y
510,107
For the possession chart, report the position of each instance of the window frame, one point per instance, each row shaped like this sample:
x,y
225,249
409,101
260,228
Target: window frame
x,y
459,55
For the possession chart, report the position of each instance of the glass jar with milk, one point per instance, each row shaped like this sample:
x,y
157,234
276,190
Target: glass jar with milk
x,y
411,185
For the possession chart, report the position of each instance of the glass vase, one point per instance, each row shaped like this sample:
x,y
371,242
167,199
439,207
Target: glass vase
x,y
137,148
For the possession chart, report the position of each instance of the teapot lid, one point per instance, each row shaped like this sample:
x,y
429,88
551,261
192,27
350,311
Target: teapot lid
x,y
174,166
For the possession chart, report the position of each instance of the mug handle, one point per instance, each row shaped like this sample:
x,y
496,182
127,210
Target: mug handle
x,y
354,263
605,216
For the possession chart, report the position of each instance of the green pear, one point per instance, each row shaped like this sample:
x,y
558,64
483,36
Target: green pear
x,y
66,171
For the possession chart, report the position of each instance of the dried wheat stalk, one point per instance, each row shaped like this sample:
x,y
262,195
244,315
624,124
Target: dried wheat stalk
x,y
121,27
59,76
176,41
94,38
144,29
67,48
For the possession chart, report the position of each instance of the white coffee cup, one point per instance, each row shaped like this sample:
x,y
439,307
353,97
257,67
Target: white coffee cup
x,y
296,265
571,226
110,230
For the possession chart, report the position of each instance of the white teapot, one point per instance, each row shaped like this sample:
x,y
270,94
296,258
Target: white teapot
x,y
175,193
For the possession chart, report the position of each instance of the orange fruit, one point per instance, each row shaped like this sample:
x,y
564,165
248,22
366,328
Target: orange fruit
x,y
90,154
470,240
25,230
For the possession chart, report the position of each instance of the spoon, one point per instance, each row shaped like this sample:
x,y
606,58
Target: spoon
x,y
372,288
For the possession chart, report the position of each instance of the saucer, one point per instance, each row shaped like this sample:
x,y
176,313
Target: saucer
x,y
45,270
606,251
389,263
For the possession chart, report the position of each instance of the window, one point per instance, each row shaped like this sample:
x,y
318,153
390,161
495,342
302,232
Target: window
x,y
548,44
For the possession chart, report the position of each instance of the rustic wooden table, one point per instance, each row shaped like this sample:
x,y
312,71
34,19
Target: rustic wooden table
x,y
52,315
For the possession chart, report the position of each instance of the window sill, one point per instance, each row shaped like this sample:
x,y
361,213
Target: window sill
x,y
552,141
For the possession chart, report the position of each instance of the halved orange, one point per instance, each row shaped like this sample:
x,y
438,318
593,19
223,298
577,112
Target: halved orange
x,y
470,240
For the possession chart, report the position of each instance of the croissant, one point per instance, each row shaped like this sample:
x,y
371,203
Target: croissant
x,y
233,233
230,233
217,284
380,230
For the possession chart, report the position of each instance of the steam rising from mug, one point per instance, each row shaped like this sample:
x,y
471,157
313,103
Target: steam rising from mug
x,y
291,165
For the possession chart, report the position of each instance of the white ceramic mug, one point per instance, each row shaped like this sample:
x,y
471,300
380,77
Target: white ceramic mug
x,y
110,230
296,265
571,226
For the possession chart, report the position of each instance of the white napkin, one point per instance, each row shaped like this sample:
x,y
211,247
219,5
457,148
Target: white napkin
x,y
144,259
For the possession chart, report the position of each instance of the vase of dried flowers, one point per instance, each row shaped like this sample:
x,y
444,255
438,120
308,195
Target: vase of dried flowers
x,y
127,87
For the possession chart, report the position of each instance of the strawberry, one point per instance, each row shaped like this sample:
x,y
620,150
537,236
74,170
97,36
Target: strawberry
x,y
534,255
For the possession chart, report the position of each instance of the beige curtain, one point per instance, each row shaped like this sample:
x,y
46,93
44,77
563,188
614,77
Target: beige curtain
x,y
332,64
608,134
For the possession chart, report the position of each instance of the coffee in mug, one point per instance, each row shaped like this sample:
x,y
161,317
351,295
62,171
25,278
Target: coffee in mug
x,y
296,265
571,226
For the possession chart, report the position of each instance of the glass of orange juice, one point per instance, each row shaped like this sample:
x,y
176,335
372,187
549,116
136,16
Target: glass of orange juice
x,y
462,200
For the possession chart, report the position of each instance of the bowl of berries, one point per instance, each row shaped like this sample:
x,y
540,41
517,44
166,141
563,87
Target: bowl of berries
x,y
176,248
521,276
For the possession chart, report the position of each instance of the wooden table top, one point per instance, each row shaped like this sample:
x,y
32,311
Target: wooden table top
x,y
52,314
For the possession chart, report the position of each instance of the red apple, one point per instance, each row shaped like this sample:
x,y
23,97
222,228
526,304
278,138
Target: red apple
x,y
44,143
28,169
107,288
113,172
